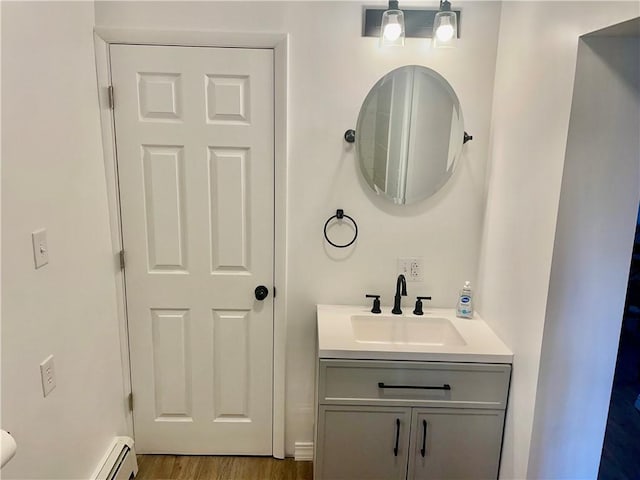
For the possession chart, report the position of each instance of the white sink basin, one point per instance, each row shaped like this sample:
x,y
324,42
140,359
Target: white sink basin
x,y
353,332
405,330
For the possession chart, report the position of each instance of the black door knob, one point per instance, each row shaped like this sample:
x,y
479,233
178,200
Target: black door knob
x,y
261,292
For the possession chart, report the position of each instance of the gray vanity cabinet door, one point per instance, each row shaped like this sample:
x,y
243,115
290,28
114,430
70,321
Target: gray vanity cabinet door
x,y
359,442
458,444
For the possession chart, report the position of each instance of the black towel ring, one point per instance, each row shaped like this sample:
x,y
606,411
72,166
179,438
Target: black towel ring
x,y
340,215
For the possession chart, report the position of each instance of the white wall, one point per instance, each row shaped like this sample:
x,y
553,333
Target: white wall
x,y
591,257
53,177
532,100
330,72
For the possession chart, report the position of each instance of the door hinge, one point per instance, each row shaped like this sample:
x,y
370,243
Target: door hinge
x,y
121,259
274,292
130,401
110,95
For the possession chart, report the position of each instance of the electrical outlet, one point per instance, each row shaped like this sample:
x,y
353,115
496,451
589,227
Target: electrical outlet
x,y
411,268
415,270
48,375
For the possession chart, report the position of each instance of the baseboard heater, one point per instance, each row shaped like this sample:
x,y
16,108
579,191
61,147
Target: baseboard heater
x,y
119,463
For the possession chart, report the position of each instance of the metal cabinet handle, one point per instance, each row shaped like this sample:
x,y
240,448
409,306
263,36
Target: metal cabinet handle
x,y
446,386
395,449
423,450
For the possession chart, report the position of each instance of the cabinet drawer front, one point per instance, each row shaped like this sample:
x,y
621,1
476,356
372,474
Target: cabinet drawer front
x,y
435,384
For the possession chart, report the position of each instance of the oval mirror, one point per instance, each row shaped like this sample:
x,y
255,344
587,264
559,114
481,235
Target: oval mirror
x,y
409,134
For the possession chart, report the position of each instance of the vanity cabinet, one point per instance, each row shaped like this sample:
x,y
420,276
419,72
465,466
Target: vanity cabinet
x,y
402,419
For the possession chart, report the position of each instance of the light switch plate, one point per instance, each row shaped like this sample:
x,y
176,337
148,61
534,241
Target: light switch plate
x,y
40,249
48,375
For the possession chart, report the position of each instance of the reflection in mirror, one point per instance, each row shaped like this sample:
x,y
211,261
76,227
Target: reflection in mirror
x,y
409,134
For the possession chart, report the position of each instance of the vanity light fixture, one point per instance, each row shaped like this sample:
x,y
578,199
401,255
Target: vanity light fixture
x,y
445,26
392,26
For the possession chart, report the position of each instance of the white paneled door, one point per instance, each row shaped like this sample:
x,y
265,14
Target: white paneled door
x,y
195,149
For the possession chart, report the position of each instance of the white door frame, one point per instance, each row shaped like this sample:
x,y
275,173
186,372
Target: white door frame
x,y
279,42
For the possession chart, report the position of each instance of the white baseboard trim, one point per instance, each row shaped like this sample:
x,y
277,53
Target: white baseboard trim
x,y
303,452
119,461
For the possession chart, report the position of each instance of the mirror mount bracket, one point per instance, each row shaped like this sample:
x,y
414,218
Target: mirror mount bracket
x,y
350,136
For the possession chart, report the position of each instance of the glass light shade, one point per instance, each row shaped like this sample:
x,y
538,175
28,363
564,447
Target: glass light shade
x,y
445,29
392,28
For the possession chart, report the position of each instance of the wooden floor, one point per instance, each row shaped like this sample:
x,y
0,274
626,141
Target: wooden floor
x,y
193,467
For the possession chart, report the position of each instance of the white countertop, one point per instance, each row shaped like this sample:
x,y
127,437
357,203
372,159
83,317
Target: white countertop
x,y
336,338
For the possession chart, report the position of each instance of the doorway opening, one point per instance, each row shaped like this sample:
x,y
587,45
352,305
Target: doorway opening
x,y
621,451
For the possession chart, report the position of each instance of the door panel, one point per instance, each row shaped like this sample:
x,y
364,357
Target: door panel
x,y
229,209
171,364
194,139
163,171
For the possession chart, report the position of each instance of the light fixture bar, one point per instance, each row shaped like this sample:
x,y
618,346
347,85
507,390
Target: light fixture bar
x,y
418,23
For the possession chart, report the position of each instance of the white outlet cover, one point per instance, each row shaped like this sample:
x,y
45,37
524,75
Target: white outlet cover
x,y
40,248
415,270
411,268
48,375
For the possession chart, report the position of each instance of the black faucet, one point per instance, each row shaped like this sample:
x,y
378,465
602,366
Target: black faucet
x,y
401,282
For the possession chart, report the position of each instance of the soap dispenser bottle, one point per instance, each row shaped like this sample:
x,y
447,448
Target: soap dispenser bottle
x,y
465,302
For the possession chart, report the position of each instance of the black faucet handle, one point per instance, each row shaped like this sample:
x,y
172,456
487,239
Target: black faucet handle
x,y
376,303
418,309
